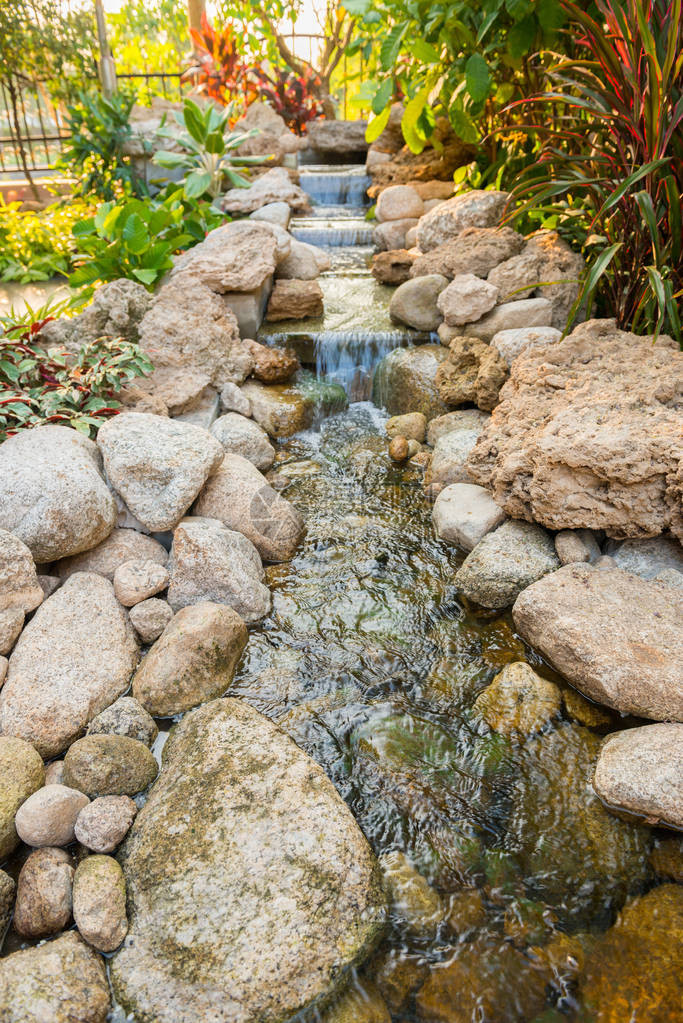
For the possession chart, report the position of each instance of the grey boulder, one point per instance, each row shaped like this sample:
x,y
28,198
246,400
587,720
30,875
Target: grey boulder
x,y
505,562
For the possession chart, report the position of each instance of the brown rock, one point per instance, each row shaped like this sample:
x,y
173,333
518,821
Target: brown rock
x,y
178,389
280,409
121,545
588,434
43,904
476,250
640,771
273,365
398,449
99,902
518,700
295,300
412,425
109,765
392,267
666,859
474,372
103,824
614,636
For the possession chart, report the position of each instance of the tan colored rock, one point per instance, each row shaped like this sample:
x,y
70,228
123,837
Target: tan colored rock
x,y
242,499
273,186
4,664
99,902
103,824
466,299
404,381
11,624
392,236
474,372
574,545
392,267
529,312
135,581
53,497
415,303
464,513
588,434
193,661
73,659
125,717
179,389
109,765
429,172
44,903
19,586
22,773
614,636
461,419
304,263
511,342
295,300
121,545
273,365
476,208
232,400
398,449
476,250
411,898
640,771
237,257
412,425
54,773
47,818
518,700
399,202
150,617
583,710
360,1003
548,268
61,981
279,409
505,562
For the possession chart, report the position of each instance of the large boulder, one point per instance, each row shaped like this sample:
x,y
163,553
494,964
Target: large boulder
x,y
243,856
505,562
240,256
211,562
295,300
405,381
73,659
60,981
477,208
614,636
639,772
274,186
473,373
415,303
52,494
243,500
157,465
588,434
340,138
476,250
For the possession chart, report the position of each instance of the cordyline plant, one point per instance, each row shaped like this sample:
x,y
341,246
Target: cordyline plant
x,y
218,69
39,387
292,96
611,164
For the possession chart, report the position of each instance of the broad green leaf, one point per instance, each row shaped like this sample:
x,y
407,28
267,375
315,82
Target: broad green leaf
x,y
357,8
383,96
146,276
521,37
164,158
215,143
83,227
477,77
551,15
135,234
194,121
463,125
391,46
409,123
425,52
196,184
377,125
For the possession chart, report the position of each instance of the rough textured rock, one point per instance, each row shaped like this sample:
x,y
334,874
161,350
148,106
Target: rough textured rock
x,y
392,267
360,1003
73,659
529,312
304,263
11,624
548,268
429,172
476,250
157,465
392,236
115,311
473,372
62,981
236,257
243,855
121,545
99,902
19,586
641,771
448,460
273,186
415,303
614,636
109,765
470,209
337,136
193,661
588,434
399,202
53,497
632,971
518,700
150,617
103,824
412,425
280,410
135,581
43,904
295,300
464,513
47,818
4,663
180,390
22,773
7,894
232,400
510,343
273,365
461,419
214,563
125,717
505,562
244,437
405,381
574,545
467,298
242,499
648,558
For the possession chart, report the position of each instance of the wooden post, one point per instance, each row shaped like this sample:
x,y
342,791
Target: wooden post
x,y
195,9
107,68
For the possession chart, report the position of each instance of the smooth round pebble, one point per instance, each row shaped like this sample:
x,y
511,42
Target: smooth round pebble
x,y
150,617
22,772
44,893
398,449
103,824
99,902
49,815
109,765
135,581
125,717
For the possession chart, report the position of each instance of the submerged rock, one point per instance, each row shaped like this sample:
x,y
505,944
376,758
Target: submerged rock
x,y
641,771
412,900
243,866
518,700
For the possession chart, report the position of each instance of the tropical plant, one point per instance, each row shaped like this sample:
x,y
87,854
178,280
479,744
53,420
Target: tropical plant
x,y
99,130
149,34
208,154
57,387
292,96
219,69
37,245
611,166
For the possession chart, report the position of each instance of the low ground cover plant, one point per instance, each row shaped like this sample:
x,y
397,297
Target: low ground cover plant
x,y
37,245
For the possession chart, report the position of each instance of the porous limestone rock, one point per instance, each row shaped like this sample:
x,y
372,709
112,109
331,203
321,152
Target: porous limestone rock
x,y
121,545
511,342
115,311
505,562
476,208
473,372
588,434
273,365
22,773
73,659
19,586
641,771
295,300
404,381
392,267
465,299
243,855
52,494
464,513
614,636
157,465
476,250
415,302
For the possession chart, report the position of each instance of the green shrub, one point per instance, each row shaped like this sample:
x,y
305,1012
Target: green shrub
x,y
35,246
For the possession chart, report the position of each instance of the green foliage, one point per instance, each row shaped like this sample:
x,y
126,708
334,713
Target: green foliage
x,y
137,239
467,56
54,386
35,246
208,155
100,129
150,35
610,174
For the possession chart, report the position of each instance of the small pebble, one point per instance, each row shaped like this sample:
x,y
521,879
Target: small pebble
x,y
47,818
99,902
54,773
49,583
150,617
104,823
11,624
398,449
125,717
44,894
135,581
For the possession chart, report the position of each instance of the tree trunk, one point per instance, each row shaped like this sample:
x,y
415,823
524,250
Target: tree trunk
x,y
195,9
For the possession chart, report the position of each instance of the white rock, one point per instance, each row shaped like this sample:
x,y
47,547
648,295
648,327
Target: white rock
x,y
466,299
464,513
244,437
48,817
399,202
529,312
135,581
511,342
233,400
